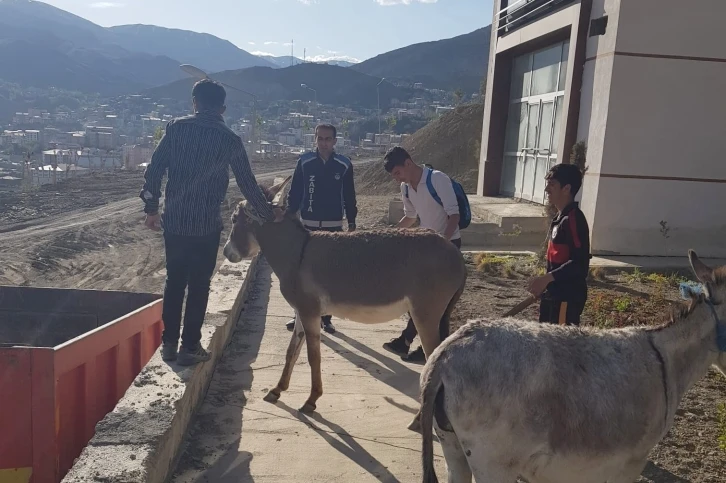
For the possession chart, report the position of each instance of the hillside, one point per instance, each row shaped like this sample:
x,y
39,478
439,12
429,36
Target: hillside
x,y
287,61
450,144
335,85
203,50
43,46
456,63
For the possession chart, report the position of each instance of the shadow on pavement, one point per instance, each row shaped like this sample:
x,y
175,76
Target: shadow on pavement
x,y
211,450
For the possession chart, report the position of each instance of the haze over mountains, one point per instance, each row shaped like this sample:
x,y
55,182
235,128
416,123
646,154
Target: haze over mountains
x,y
43,46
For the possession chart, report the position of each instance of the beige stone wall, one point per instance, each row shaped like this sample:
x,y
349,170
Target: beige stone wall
x,y
648,114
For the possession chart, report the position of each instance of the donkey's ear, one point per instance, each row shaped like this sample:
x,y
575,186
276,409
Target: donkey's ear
x,y
275,190
703,272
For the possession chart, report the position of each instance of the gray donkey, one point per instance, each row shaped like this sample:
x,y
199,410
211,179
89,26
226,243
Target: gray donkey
x,y
364,276
557,404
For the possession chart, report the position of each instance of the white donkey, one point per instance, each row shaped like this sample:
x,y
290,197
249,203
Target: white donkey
x,y
557,404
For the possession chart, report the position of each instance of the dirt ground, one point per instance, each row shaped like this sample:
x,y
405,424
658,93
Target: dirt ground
x,y
88,233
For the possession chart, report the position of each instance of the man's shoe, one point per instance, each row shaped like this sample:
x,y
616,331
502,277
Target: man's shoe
x,y
290,325
416,356
328,327
397,346
168,352
189,357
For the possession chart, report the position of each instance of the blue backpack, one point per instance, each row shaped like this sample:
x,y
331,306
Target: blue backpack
x,y
461,198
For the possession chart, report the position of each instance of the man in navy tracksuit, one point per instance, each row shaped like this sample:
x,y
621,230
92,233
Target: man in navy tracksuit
x,y
322,190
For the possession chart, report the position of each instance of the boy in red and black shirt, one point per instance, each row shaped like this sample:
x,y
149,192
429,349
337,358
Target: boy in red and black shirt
x,y
563,289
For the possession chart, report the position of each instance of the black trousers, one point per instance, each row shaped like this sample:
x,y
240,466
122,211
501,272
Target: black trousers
x,y
326,318
560,311
410,332
190,263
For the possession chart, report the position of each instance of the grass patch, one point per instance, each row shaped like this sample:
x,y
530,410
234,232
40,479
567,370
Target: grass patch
x,y
490,263
606,311
509,266
598,273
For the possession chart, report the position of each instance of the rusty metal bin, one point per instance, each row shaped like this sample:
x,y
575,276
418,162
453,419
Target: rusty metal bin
x,y
66,358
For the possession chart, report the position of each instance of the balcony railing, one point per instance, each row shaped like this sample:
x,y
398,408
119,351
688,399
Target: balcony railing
x,y
522,12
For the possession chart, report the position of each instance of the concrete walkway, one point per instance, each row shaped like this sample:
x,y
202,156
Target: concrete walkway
x,y
358,432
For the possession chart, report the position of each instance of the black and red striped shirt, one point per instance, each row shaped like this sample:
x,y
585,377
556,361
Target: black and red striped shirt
x,y
568,254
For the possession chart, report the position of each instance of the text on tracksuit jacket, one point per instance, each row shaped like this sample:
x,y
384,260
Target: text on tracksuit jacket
x,y
323,190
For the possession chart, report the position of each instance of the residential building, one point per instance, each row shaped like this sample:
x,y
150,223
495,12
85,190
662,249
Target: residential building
x,y
100,137
637,82
60,156
287,138
133,155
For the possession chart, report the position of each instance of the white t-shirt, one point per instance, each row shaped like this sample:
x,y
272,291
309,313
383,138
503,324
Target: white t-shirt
x,y
420,202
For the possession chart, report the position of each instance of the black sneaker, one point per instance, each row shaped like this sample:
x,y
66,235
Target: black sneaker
x,y
397,346
168,352
290,325
416,356
328,327
189,357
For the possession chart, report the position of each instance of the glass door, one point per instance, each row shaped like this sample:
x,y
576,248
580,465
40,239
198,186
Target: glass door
x,y
533,122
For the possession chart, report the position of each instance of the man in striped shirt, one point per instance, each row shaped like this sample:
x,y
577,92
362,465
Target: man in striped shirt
x,y
197,152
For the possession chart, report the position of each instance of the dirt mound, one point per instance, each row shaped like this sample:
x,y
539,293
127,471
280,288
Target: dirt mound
x,y
450,144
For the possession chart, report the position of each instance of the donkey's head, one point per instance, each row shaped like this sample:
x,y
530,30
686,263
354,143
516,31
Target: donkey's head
x,y
242,242
714,294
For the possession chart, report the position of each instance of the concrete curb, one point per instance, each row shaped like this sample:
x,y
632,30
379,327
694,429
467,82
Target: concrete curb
x,y
614,264
140,440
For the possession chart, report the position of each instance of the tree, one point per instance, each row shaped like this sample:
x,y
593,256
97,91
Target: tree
x,y
458,96
158,134
391,121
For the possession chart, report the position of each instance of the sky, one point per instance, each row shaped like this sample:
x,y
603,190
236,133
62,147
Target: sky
x,y
328,29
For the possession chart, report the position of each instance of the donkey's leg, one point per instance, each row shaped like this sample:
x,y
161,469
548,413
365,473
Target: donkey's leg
x,y
630,472
426,317
457,465
293,351
312,339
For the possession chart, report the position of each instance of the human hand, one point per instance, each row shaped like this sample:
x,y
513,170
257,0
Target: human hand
x,y
538,285
153,221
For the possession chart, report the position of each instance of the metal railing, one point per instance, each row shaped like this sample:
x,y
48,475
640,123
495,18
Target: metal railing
x,y
523,12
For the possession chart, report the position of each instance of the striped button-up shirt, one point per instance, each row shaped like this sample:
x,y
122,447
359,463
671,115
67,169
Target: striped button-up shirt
x,y
197,152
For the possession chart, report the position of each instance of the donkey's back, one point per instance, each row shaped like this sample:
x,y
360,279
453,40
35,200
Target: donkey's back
x,y
546,402
382,266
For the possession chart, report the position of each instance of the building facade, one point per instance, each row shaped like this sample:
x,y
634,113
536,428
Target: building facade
x,y
637,83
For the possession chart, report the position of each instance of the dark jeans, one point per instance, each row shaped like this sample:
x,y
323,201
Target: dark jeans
x,y
410,332
190,263
561,312
326,318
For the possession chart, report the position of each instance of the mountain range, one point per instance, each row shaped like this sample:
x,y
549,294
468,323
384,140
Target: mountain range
x,y
44,46
456,63
288,60
333,85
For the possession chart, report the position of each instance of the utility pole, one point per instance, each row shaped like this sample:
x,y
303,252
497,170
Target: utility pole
x,y
379,103
292,52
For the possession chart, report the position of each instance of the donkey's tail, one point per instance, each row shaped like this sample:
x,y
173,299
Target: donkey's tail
x,y
444,327
429,389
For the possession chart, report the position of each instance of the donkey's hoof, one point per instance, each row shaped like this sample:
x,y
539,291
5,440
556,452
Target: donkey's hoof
x,y
415,425
308,408
272,397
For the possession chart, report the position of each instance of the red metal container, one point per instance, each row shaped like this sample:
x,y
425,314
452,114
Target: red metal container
x,y
66,358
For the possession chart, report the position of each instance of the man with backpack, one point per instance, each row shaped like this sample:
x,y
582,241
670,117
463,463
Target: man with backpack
x,y
440,204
